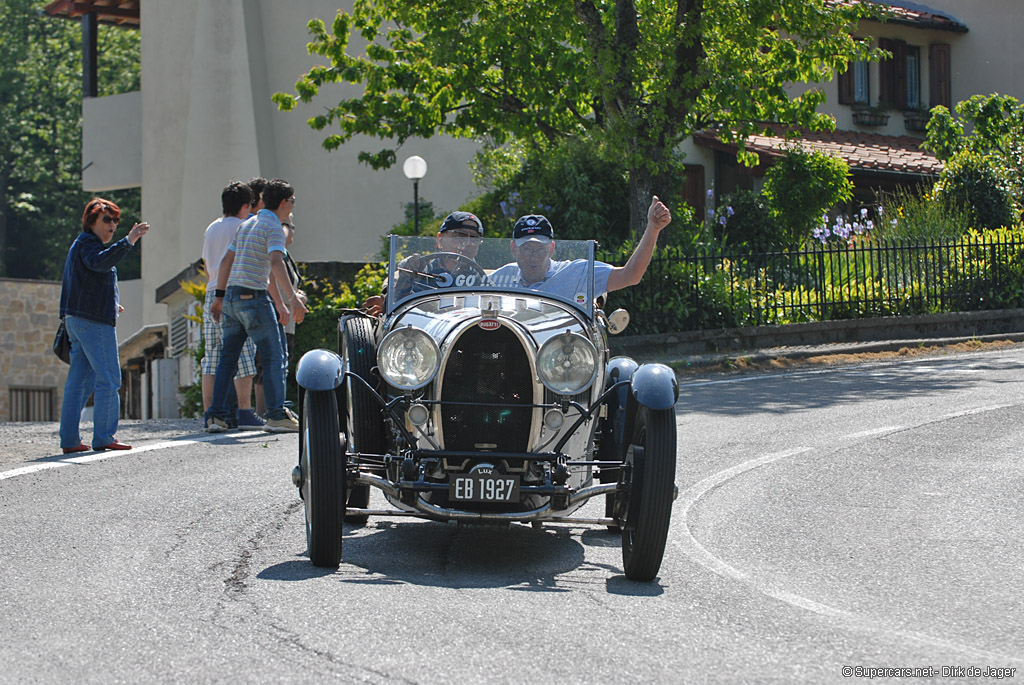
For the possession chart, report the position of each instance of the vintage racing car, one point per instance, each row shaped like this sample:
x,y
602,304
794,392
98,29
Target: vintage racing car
x,y
474,399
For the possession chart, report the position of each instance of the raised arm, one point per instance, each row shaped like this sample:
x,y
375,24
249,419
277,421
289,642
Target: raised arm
x,y
658,217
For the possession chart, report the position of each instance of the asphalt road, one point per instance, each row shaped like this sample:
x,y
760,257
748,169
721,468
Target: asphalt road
x,y
865,517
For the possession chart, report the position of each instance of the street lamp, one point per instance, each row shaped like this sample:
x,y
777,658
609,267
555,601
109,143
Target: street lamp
x,y
415,168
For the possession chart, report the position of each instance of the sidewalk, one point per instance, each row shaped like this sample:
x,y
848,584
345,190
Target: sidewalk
x,y
22,442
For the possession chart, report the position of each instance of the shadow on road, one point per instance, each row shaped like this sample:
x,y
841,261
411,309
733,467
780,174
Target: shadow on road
x,y
438,555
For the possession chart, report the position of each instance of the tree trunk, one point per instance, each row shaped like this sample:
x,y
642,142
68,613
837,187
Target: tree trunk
x,y
640,191
643,185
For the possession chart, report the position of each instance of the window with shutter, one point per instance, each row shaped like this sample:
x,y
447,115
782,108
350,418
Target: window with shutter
x,y
892,74
939,71
845,84
913,77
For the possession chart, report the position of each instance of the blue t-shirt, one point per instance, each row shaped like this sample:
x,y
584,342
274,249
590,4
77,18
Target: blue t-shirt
x,y
255,239
566,279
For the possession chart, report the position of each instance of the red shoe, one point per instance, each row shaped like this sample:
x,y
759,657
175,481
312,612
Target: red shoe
x,y
71,450
112,446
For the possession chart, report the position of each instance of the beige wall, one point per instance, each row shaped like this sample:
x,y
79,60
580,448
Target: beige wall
x,y
208,72
984,60
29,315
988,58
112,142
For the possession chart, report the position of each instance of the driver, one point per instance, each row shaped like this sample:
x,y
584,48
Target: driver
x,y
460,234
533,246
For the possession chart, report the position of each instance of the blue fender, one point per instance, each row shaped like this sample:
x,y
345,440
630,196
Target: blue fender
x,y
655,386
320,370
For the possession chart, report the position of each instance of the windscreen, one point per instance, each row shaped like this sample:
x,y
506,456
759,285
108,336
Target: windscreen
x,y
562,269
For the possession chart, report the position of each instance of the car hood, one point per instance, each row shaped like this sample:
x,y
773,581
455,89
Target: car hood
x,y
538,317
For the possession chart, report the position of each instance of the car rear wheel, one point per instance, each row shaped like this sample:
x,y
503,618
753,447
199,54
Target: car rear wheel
x,y
651,465
323,477
364,425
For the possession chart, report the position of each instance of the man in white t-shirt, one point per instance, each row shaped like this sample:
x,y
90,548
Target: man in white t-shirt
x,y
236,201
533,246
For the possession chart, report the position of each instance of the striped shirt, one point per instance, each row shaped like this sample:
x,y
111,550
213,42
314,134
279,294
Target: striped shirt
x,y
255,239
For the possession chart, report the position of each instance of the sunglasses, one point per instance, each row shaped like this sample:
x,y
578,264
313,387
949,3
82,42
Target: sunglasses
x,y
110,220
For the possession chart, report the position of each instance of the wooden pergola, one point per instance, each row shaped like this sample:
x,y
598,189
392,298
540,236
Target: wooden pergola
x,y
92,13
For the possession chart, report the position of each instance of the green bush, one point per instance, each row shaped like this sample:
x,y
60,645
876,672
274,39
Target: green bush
x,y
585,196
803,185
975,182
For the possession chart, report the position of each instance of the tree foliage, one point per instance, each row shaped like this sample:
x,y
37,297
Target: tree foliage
x,y
640,76
41,198
983,147
801,186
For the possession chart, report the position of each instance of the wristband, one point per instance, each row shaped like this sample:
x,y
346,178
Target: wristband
x,y
218,293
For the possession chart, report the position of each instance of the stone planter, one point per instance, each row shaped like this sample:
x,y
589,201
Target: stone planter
x,y
866,117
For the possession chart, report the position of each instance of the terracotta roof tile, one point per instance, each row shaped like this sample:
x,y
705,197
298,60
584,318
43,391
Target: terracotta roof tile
x,y
914,14
864,151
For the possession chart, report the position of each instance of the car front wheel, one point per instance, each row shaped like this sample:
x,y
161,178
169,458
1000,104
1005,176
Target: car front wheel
x,y
651,468
323,478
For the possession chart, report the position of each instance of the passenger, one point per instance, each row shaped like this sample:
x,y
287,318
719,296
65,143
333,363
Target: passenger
x,y
533,247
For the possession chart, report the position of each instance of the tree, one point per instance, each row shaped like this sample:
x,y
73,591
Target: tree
x,y
641,75
801,186
995,140
41,196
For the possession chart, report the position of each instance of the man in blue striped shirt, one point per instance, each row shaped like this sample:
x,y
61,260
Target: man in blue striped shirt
x,y
253,261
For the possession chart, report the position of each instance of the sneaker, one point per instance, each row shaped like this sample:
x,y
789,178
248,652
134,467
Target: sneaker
x,y
217,425
249,420
286,424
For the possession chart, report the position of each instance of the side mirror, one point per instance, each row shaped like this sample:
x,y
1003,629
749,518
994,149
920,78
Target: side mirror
x,y
617,321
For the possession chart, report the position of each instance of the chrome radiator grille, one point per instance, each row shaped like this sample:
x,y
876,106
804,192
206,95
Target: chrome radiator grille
x,y
487,368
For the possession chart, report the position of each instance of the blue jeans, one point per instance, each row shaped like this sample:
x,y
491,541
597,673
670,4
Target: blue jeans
x,y
246,314
95,369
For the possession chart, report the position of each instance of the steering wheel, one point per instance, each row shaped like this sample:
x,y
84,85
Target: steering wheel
x,y
446,269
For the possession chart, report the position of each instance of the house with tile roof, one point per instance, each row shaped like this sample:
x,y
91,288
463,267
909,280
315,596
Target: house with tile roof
x,y
942,53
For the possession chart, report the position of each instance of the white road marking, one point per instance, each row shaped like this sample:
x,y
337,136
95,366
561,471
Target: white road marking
x,y
875,431
696,551
977,410
110,454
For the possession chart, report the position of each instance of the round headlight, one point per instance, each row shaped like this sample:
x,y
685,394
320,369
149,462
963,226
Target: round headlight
x,y
408,358
567,363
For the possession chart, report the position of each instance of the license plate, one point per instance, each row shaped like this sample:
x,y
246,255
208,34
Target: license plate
x,y
484,487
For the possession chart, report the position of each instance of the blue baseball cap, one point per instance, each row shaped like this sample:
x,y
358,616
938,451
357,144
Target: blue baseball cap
x,y
532,227
462,220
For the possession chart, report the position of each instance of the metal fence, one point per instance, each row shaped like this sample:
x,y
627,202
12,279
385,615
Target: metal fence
x,y
704,288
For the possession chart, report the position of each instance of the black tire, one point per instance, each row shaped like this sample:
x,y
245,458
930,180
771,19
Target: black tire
x,y
363,424
323,478
648,511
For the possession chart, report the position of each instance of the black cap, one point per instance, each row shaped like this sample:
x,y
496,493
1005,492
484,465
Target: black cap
x,y
462,220
531,226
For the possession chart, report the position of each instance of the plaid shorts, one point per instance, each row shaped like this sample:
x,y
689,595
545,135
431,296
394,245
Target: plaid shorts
x,y
214,342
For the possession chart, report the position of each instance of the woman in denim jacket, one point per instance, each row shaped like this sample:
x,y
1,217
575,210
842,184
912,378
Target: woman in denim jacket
x,y
89,306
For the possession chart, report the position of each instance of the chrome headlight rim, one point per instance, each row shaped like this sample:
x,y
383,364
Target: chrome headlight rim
x,y
388,346
560,339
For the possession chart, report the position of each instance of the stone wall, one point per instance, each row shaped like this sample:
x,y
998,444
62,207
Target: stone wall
x,y
29,315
